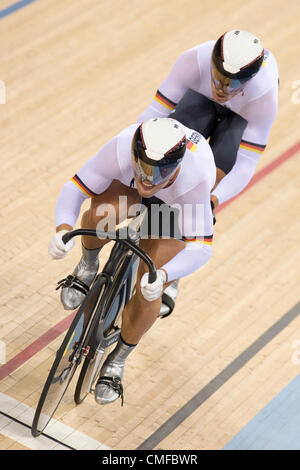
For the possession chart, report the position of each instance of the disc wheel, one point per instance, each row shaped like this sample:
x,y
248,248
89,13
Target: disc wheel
x,y
74,347
60,375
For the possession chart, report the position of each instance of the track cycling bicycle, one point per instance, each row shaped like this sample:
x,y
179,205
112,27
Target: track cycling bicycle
x,y
96,325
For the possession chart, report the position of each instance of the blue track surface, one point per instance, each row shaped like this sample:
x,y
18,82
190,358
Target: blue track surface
x,y
275,427
15,7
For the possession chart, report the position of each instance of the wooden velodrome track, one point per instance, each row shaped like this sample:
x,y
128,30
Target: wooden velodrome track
x,y
76,73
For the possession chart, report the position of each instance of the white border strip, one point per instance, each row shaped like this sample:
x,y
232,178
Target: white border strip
x,y
22,434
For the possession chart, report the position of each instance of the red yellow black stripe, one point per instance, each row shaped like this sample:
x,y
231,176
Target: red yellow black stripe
x,y
191,146
252,146
164,100
207,239
80,184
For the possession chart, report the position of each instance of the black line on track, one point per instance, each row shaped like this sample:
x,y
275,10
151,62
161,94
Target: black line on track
x,y
217,382
29,427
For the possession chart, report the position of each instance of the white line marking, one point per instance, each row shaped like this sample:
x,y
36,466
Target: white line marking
x,y
19,433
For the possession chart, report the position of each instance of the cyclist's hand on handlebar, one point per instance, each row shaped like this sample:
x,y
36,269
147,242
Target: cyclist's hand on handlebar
x,y
153,291
57,249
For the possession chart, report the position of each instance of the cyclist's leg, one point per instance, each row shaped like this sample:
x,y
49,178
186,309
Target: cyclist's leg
x,y
139,314
111,196
87,268
138,317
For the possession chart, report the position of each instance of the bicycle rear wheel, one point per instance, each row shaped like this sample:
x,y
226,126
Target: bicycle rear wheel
x,y
73,348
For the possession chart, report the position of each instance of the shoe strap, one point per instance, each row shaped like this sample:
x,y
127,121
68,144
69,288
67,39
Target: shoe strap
x,y
74,282
115,384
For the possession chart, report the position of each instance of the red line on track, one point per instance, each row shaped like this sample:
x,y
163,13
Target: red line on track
x,y
264,172
62,326
36,346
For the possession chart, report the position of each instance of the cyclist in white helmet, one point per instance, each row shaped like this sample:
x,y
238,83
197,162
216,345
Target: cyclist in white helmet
x,y
165,166
227,90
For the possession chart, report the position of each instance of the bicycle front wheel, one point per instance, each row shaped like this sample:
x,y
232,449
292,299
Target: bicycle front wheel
x,y
60,376
74,347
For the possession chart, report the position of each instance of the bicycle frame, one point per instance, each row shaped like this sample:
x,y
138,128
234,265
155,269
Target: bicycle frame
x,y
120,277
120,271
93,325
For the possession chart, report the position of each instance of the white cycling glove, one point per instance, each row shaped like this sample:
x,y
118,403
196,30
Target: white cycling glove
x,y
57,249
153,291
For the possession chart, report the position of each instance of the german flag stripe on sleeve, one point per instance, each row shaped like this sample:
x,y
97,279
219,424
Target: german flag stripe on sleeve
x,y
76,180
252,147
161,99
207,239
191,146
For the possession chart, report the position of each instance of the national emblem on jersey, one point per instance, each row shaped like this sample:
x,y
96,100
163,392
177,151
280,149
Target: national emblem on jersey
x,y
193,140
265,58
